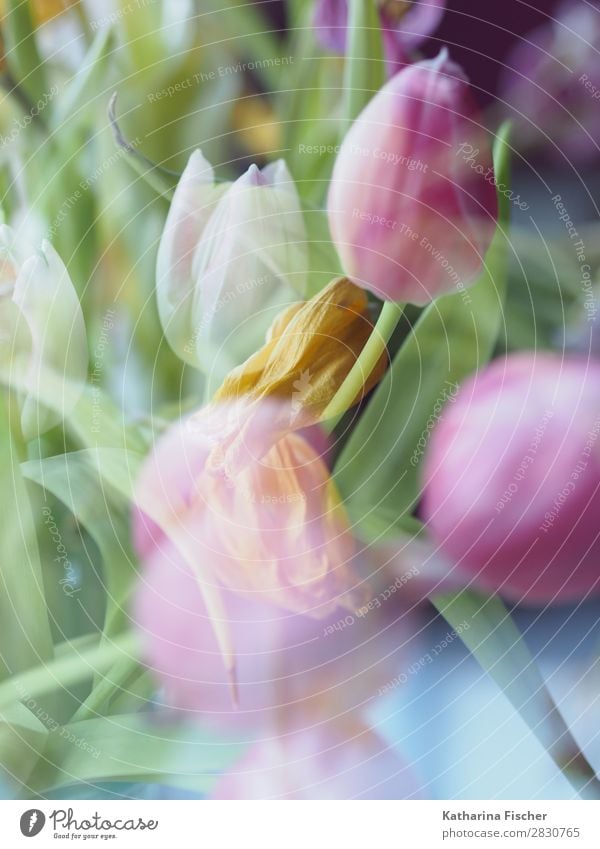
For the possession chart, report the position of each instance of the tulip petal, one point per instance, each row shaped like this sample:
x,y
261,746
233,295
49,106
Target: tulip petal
x,y
310,350
250,263
49,305
319,762
412,203
194,201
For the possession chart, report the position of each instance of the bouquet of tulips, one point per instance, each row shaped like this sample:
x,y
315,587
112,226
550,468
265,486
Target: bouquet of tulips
x,y
274,402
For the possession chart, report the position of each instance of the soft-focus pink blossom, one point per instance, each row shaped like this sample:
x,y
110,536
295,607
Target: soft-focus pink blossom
x,y
276,527
412,202
290,668
512,479
551,83
342,761
405,25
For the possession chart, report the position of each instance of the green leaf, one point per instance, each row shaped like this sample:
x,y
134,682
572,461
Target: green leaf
x,y
79,95
22,740
486,628
75,479
22,54
67,669
365,67
119,467
378,470
25,637
88,412
134,748
162,180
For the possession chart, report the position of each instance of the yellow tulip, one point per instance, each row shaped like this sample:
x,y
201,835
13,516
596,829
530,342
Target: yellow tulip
x,y
309,351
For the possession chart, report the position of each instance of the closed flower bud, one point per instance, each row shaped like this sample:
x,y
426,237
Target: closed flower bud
x,y
412,201
231,257
512,479
42,328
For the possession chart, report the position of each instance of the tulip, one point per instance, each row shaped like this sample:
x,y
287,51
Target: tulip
x,y
42,327
552,77
275,526
412,203
320,762
512,479
289,666
310,349
405,25
231,257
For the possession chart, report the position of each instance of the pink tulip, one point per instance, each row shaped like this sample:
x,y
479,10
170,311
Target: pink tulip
x,y
412,201
274,542
512,479
551,80
288,666
404,25
268,522
320,762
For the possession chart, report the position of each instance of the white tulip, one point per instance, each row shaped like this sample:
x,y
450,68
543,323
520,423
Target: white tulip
x,y
42,329
232,256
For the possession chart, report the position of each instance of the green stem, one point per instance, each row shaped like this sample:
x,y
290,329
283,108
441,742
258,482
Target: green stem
x,y
106,688
487,629
64,672
370,355
364,71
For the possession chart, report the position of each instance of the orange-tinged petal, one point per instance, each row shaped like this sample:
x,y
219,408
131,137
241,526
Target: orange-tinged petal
x,y
276,530
280,530
309,351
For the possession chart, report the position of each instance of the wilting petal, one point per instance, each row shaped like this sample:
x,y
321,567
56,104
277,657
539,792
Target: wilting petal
x,y
310,350
277,527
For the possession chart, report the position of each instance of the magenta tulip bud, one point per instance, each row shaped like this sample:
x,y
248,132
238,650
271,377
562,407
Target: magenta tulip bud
x,y
412,201
512,479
